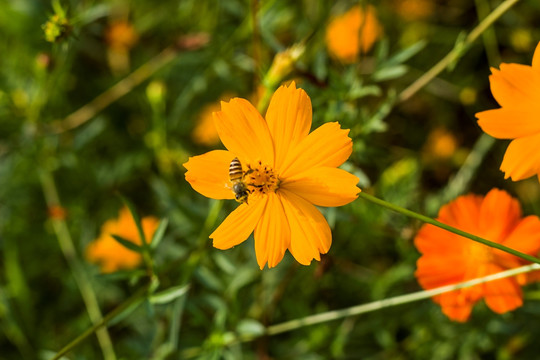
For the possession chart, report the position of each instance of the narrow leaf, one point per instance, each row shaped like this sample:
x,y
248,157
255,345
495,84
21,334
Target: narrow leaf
x,y
127,244
169,295
136,218
158,235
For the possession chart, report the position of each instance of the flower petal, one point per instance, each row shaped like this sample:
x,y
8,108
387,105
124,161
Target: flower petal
x,y
499,215
508,123
289,119
272,234
310,233
324,186
453,308
516,86
237,227
503,295
244,132
525,237
462,213
208,174
328,145
522,158
436,271
536,58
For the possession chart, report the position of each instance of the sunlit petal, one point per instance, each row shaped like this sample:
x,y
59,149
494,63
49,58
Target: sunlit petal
x,y
515,86
272,234
324,186
289,119
208,174
237,227
522,158
244,132
536,58
506,123
328,145
310,233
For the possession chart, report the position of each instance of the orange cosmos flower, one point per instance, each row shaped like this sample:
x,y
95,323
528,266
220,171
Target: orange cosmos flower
x,y
517,89
286,172
111,255
448,258
353,32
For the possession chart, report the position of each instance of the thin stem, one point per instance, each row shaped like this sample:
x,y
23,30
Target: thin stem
x,y
104,321
68,249
488,37
369,307
115,92
434,222
456,52
397,300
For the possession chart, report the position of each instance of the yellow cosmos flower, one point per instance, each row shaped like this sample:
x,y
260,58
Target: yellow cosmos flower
x,y
287,171
111,255
353,32
516,88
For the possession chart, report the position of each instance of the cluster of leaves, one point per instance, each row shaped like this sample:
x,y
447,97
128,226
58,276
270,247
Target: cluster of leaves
x,y
133,138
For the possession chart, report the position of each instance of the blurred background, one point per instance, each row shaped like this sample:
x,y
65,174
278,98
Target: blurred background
x,y
101,98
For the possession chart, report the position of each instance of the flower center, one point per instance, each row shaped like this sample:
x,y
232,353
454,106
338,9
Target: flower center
x,y
480,253
261,179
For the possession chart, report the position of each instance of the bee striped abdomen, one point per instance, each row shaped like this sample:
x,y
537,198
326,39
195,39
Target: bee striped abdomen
x,y
235,170
239,187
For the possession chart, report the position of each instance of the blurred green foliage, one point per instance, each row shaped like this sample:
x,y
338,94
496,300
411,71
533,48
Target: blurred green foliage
x,y
55,58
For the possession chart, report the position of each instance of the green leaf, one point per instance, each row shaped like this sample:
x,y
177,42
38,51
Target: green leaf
x,y
136,218
169,295
126,312
407,53
389,73
127,244
250,327
158,235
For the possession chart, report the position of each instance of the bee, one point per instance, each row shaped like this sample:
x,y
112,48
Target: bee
x,y
239,187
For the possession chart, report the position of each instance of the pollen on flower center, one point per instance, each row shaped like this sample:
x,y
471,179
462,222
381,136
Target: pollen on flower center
x,y
261,179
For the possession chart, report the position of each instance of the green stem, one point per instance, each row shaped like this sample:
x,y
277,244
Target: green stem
x,y
456,52
385,303
365,308
70,254
115,92
104,321
488,37
434,222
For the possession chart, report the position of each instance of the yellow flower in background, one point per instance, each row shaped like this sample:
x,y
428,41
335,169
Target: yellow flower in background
x,y
111,255
353,33
205,132
516,88
284,171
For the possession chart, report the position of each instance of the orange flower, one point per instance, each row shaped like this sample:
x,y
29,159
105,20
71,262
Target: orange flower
x,y
111,255
517,89
287,172
121,35
414,9
448,258
353,32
